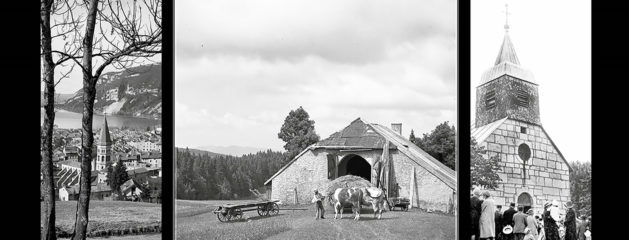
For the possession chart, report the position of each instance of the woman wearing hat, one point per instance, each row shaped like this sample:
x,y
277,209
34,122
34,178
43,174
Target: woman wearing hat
x,y
570,223
487,217
531,225
551,230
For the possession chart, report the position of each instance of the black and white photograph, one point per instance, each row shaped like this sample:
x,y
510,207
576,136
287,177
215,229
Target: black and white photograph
x,y
101,112
531,156
315,120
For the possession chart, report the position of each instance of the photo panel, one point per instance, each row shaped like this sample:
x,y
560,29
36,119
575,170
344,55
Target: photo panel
x,y
290,112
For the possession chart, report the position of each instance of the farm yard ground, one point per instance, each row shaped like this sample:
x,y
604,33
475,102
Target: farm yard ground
x,y
195,220
111,216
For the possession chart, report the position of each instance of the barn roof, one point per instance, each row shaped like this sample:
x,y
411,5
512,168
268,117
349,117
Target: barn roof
x,y
361,135
356,134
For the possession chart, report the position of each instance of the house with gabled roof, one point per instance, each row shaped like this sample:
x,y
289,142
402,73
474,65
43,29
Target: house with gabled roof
x,y
376,153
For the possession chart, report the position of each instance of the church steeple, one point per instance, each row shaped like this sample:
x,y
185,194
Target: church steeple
x,y
507,89
103,155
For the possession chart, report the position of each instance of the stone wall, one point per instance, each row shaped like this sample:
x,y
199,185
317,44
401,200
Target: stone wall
x,y
310,172
547,175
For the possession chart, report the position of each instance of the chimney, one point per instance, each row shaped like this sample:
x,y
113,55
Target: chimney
x,y
397,127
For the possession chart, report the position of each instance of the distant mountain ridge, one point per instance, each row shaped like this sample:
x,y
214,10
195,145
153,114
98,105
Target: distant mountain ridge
x,y
60,98
198,152
236,151
135,91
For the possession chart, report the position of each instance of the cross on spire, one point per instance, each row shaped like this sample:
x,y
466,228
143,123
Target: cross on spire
x,y
506,17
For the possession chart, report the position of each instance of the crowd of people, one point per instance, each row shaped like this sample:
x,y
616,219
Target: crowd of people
x,y
490,222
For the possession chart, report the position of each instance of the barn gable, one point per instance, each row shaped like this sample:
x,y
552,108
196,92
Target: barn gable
x,y
357,149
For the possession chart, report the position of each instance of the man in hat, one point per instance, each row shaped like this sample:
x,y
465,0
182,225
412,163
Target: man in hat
x,y
507,219
475,210
519,224
570,223
582,226
487,217
498,222
318,199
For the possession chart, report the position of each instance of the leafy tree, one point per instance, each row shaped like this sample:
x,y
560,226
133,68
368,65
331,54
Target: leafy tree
x,y
483,171
581,187
116,176
298,132
440,144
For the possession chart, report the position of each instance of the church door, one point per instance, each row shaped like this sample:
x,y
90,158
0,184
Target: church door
x,y
525,200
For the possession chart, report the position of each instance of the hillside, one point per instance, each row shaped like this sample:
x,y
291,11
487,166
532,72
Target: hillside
x,y
60,98
133,92
232,150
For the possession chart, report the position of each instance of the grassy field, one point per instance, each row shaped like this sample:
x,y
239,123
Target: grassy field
x,y
195,221
111,218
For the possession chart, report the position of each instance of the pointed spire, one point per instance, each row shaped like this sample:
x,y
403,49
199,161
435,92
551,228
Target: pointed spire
x,y
507,52
105,139
506,17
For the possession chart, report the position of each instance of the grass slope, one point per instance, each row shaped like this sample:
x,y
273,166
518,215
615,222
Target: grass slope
x,y
298,224
109,216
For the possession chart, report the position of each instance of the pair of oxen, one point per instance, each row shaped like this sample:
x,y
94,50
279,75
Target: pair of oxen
x,y
355,196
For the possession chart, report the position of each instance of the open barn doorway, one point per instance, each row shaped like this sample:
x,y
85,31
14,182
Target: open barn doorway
x,y
354,165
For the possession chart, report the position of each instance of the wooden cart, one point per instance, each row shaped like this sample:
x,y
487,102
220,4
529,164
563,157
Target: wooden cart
x,y
228,212
400,202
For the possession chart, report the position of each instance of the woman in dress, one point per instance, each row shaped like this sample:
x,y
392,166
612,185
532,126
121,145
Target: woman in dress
x,y
475,205
551,230
531,224
487,217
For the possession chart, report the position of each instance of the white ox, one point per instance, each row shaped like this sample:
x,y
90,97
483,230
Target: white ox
x,y
347,196
376,197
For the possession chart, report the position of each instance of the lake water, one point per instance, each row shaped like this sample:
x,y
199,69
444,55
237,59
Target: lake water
x,y
66,119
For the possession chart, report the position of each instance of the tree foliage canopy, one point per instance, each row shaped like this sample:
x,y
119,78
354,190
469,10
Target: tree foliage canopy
x,y
483,171
581,187
116,176
205,177
440,143
298,132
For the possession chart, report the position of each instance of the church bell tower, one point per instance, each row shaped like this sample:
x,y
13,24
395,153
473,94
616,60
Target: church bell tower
x,y
507,89
103,155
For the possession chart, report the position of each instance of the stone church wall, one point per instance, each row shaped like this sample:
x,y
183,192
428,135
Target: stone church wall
x,y
547,175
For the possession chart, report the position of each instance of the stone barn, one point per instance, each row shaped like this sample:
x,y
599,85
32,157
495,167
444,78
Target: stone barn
x,y
508,125
358,150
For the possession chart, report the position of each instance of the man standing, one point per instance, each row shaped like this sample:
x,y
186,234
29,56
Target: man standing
x,y
570,222
498,221
519,224
318,200
531,224
476,208
487,217
507,219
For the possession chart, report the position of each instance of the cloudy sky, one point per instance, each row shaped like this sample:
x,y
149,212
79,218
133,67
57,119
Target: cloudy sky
x,y
553,40
241,66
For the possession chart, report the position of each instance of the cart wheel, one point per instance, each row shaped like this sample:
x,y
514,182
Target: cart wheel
x,y
235,213
223,217
274,209
262,211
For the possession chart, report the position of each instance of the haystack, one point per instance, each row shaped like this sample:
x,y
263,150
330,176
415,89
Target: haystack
x,y
345,181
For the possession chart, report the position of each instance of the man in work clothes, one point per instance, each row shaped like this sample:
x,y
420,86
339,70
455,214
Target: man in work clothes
x,y
317,199
519,224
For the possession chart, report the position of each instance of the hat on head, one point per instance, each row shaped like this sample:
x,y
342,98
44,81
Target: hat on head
x,y
530,211
555,203
569,204
315,190
476,191
486,194
512,204
546,204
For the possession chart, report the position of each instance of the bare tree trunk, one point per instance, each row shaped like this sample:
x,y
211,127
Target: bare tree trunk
x,y
48,187
89,94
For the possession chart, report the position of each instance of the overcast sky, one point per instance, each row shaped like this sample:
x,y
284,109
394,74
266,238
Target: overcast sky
x,y
241,66
553,40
